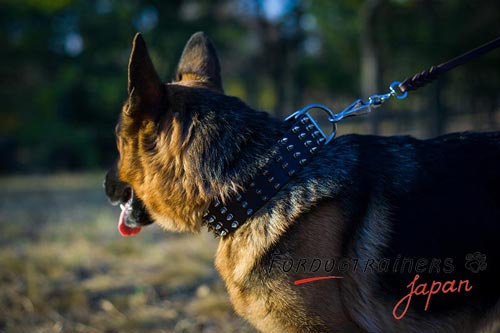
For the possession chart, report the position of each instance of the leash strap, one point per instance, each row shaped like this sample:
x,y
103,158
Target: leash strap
x,y
427,76
289,155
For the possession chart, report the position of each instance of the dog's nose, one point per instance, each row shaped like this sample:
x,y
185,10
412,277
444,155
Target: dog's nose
x,y
117,191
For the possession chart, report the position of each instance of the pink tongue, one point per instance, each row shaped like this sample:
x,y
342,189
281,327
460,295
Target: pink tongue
x,y
123,228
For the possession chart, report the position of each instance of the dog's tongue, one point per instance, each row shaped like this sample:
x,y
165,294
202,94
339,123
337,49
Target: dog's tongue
x,y
124,229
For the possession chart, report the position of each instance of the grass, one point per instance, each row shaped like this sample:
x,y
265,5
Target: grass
x,y
65,268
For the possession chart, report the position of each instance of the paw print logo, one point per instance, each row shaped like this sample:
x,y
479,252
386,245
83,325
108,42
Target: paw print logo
x,y
475,262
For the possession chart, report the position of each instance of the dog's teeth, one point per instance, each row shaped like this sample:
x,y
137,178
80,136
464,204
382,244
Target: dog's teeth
x,y
122,206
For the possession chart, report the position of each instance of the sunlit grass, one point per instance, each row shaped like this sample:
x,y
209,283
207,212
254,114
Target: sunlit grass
x,y
65,268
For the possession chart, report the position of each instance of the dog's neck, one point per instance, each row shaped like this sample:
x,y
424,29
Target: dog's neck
x,y
283,161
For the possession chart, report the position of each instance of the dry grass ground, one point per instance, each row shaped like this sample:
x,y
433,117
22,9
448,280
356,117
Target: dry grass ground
x,y
65,268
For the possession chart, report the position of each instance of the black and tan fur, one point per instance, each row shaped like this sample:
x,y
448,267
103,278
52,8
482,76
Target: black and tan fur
x,y
184,144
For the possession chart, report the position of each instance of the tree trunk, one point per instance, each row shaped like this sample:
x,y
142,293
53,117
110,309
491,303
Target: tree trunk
x,y
370,60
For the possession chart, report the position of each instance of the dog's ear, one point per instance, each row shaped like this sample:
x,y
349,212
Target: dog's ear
x,y
199,62
145,88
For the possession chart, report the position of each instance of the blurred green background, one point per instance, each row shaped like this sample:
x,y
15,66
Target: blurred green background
x,y
63,266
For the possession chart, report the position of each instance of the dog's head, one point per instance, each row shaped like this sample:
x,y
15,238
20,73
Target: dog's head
x,y
180,143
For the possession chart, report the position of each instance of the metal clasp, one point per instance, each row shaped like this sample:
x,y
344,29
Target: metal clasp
x,y
358,107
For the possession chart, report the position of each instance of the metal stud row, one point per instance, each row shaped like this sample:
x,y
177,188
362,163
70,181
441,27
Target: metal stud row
x,y
302,135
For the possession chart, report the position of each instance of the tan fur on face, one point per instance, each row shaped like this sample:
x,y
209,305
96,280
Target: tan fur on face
x,y
153,162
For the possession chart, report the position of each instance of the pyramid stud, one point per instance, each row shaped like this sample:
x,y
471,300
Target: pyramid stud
x,y
291,173
302,136
223,210
211,219
310,127
314,150
321,141
235,224
249,211
308,143
279,158
283,141
217,203
304,120
224,232
239,197
277,186
244,204
229,217
218,226
271,179
296,154
296,129
289,147
284,165
303,162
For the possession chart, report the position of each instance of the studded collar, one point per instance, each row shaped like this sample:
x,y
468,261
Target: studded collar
x,y
290,154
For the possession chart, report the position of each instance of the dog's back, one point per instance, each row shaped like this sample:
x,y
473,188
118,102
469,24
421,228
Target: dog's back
x,y
434,202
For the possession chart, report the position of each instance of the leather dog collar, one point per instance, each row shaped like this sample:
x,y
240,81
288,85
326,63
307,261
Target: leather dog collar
x,y
289,155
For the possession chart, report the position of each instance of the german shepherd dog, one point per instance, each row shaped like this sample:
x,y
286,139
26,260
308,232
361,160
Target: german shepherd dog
x,y
391,234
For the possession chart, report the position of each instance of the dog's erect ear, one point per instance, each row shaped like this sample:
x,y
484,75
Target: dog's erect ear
x,y
144,86
199,62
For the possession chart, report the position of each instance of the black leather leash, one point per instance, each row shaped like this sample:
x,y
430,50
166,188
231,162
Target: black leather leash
x,y
304,139
427,76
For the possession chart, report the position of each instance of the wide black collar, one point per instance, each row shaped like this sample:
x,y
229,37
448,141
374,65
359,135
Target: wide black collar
x,y
290,154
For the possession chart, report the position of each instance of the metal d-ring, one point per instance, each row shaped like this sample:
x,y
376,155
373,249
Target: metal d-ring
x,y
330,113
392,88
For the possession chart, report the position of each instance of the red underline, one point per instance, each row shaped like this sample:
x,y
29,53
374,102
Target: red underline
x,y
297,282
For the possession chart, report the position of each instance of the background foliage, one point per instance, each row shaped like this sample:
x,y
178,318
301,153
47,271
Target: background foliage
x,y
63,65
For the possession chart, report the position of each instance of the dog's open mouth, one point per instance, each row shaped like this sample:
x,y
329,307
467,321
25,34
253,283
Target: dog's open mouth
x,y
127,226
133,216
